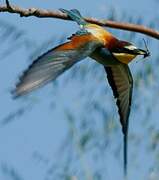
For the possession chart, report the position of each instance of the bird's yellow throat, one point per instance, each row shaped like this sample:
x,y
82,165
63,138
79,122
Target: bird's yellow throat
x,y
124,57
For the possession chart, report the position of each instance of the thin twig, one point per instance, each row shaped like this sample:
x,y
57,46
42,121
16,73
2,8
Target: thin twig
x,y
57,14
7,3
9,6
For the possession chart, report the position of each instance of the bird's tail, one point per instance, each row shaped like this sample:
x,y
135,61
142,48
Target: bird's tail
x,y
75,15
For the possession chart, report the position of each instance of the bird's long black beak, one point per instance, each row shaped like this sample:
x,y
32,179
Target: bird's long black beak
x,y
145,53
136,51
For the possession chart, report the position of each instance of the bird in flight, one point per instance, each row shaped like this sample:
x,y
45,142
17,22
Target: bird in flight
x,y
90,41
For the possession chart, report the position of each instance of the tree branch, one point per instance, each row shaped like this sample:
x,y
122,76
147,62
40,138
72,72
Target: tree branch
x,y
57,14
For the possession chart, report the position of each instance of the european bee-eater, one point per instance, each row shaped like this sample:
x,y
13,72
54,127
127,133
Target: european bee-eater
x,y
93,41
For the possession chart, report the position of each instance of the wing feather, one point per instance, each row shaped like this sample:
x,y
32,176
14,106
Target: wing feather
x,y
121,82
53,63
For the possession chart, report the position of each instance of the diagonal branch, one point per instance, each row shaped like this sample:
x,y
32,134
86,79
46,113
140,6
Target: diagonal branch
x,y
57,14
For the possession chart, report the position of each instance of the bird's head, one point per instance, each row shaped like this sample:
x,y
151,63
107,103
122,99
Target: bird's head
x,y
125,51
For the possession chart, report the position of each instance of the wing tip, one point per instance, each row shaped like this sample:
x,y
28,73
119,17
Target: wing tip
x,y
20,90
15,93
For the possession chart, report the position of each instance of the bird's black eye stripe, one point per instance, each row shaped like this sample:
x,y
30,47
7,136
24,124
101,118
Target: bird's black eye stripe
x,y
124,50
129,51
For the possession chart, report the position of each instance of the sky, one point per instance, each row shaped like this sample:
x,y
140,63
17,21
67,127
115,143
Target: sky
x,y
43,127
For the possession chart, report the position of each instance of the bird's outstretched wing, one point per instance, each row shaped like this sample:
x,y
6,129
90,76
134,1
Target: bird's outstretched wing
x,y
53,63
121,82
